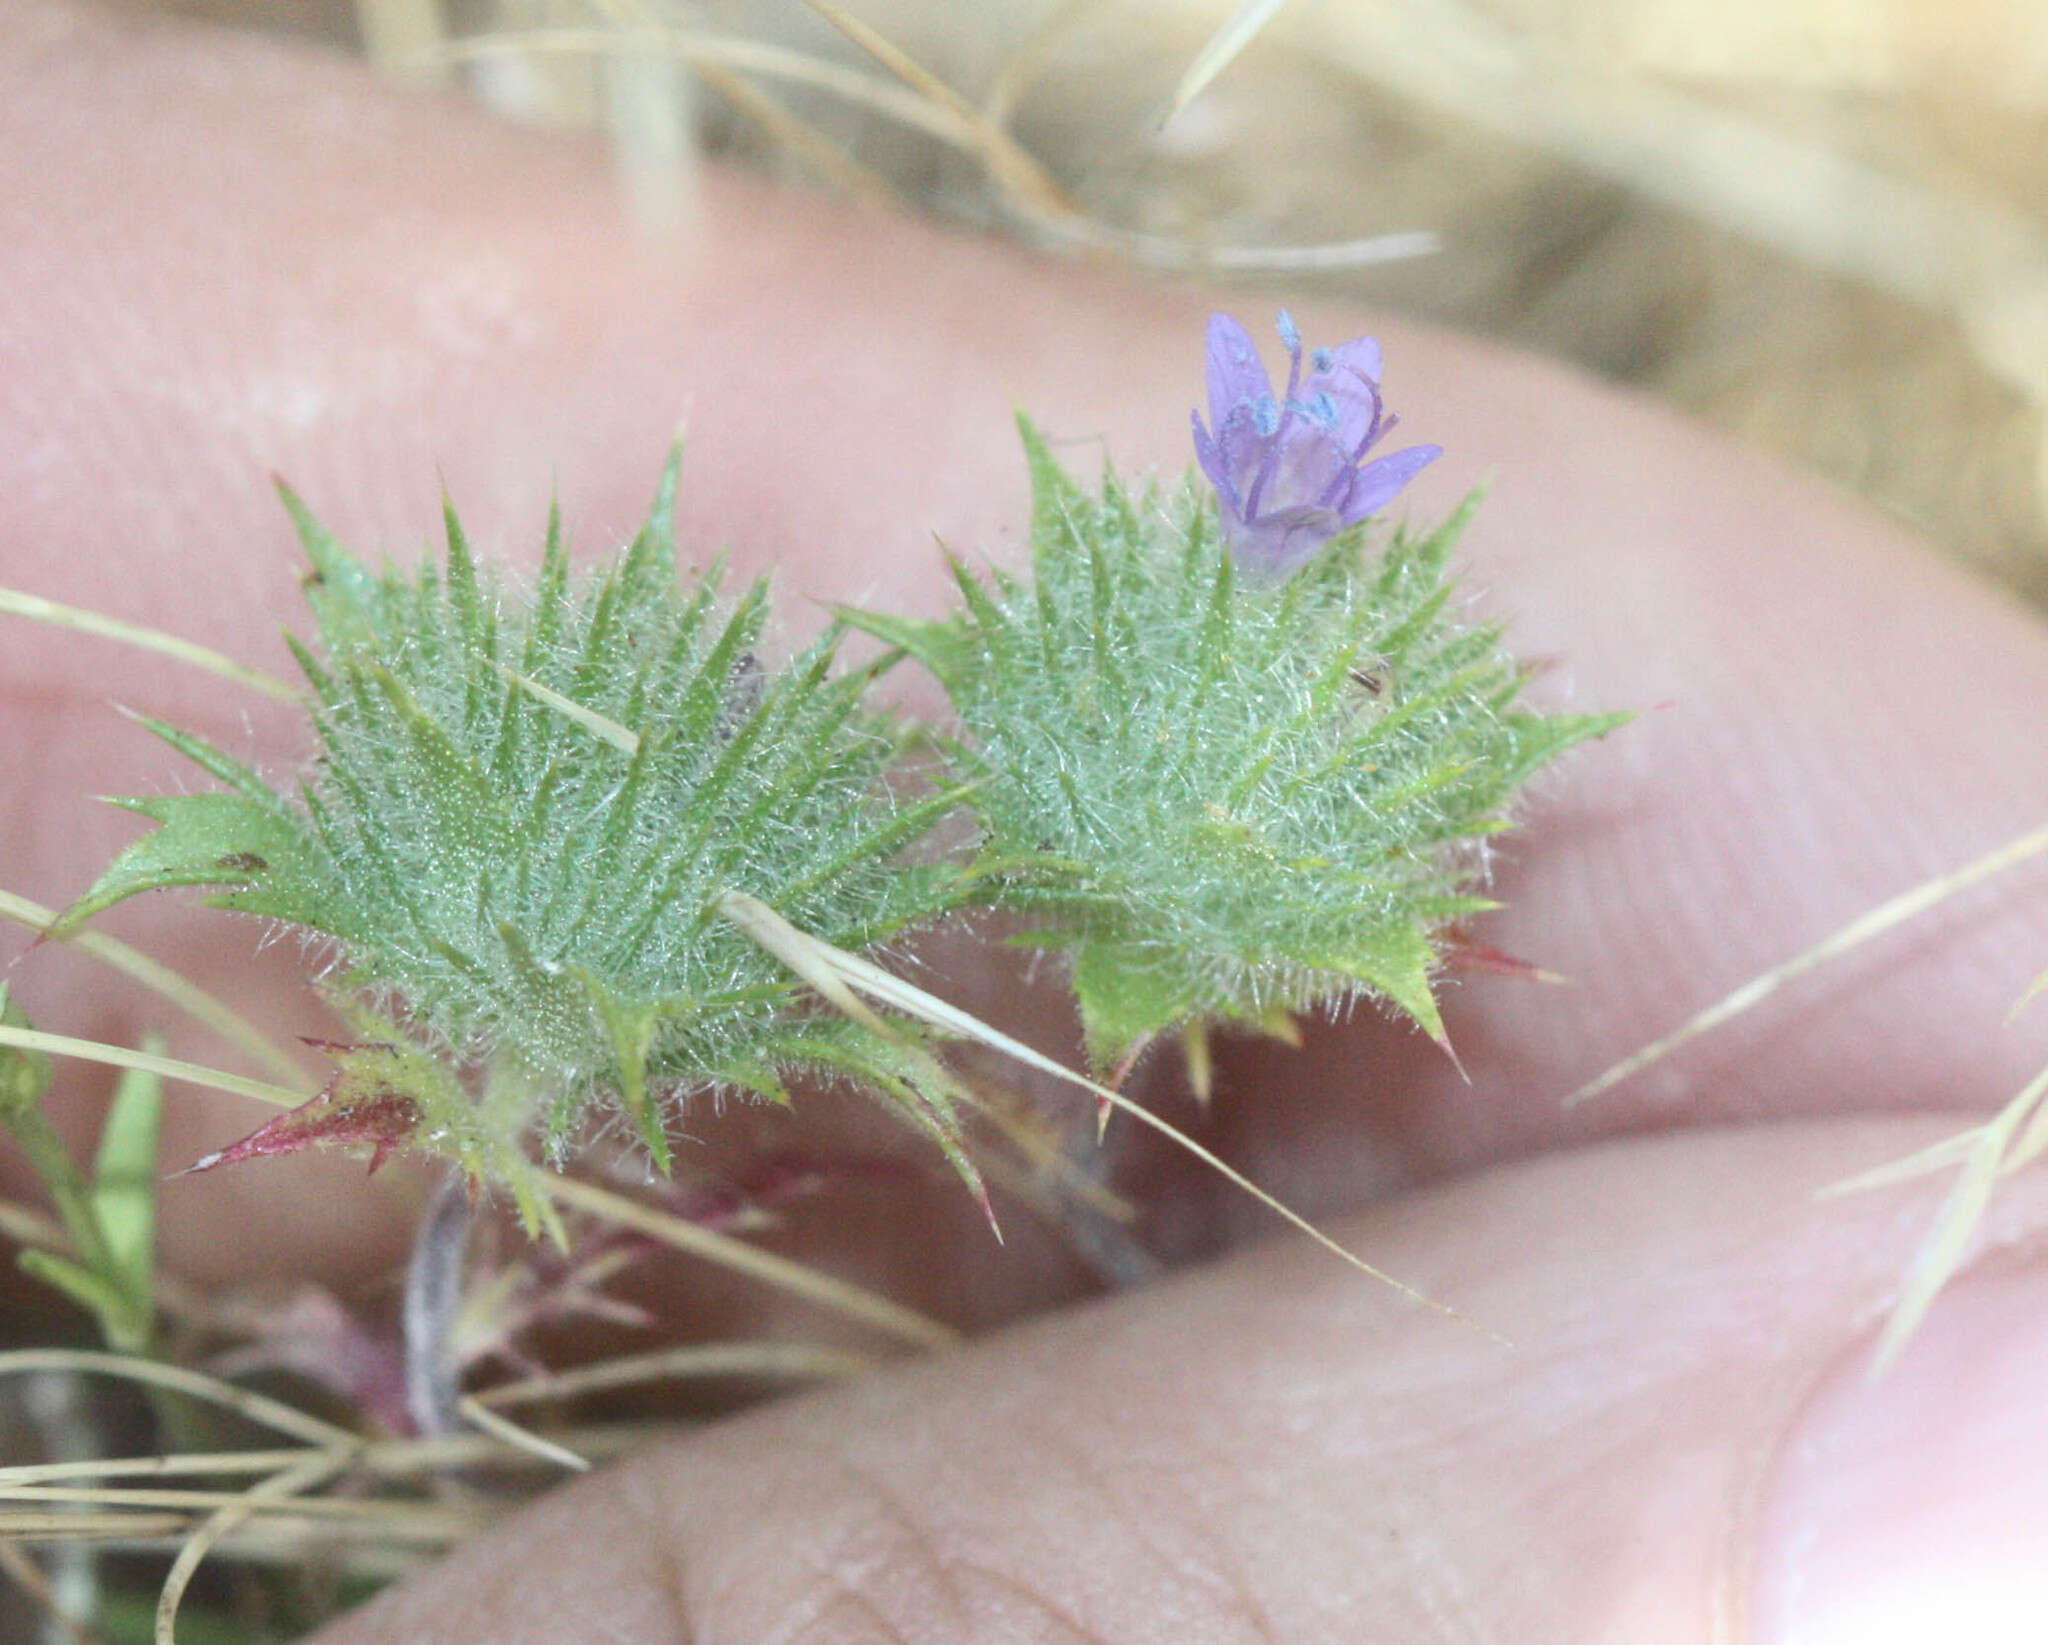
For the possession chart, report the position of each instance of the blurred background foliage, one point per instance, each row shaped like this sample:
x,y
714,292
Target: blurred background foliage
x,y
1820,225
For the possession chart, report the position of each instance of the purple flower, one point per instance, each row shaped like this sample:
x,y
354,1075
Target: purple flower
x,y
1291,473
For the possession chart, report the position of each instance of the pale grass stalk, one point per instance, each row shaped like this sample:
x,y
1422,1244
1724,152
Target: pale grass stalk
x,y
797,137
1026,64
1985,1153
158,1467
48,1528
165,983
648,103
745,56
1068,226
402,1524
120,1056
16,603
1238,30
811,147
129,1496
840,1296
598,725
1009,163
795,1360
2011,1139
387,1459
1045,1159
291,1482
510,1433
1179,256
1857,932
257,1408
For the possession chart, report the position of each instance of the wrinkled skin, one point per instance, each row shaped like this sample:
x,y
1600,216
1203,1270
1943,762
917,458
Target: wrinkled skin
x,y
221,260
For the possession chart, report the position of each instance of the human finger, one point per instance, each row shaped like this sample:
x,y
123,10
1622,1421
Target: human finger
x,y
1681,1445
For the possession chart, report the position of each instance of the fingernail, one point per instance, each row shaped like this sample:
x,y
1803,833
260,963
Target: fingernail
x,y
1915,1507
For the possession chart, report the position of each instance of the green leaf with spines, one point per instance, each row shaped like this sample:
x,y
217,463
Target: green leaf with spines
x,y
1182,778
527,897
214,840
223,766
1393,962
343,595
1127,993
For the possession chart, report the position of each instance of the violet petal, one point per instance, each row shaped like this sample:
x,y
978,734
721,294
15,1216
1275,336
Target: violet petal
x,y
1210,456
1380,481
1236,374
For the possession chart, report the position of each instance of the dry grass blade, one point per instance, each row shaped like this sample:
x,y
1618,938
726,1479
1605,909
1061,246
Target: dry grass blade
x,y
607,730
90,1527
840,1296
503,1428
152,1467
15,603
119,1056
798,139
1046,1169
279,1487
162,981
1027,63
1939,1157
283,1536
1155,251
853,972
1009,165
796,1360
258,1408
1239,30
1986,1153
389,1459
743,56
1067,226
1858,931
2032,1143
2035,989
810,960
124,1496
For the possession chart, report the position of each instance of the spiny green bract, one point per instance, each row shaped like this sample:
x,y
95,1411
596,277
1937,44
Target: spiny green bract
x,y
1228,801
542,901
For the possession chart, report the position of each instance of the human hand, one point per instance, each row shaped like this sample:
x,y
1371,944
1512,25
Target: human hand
x,y
230,260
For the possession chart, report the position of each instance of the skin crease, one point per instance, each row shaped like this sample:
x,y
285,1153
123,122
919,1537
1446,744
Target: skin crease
x,y
223,260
